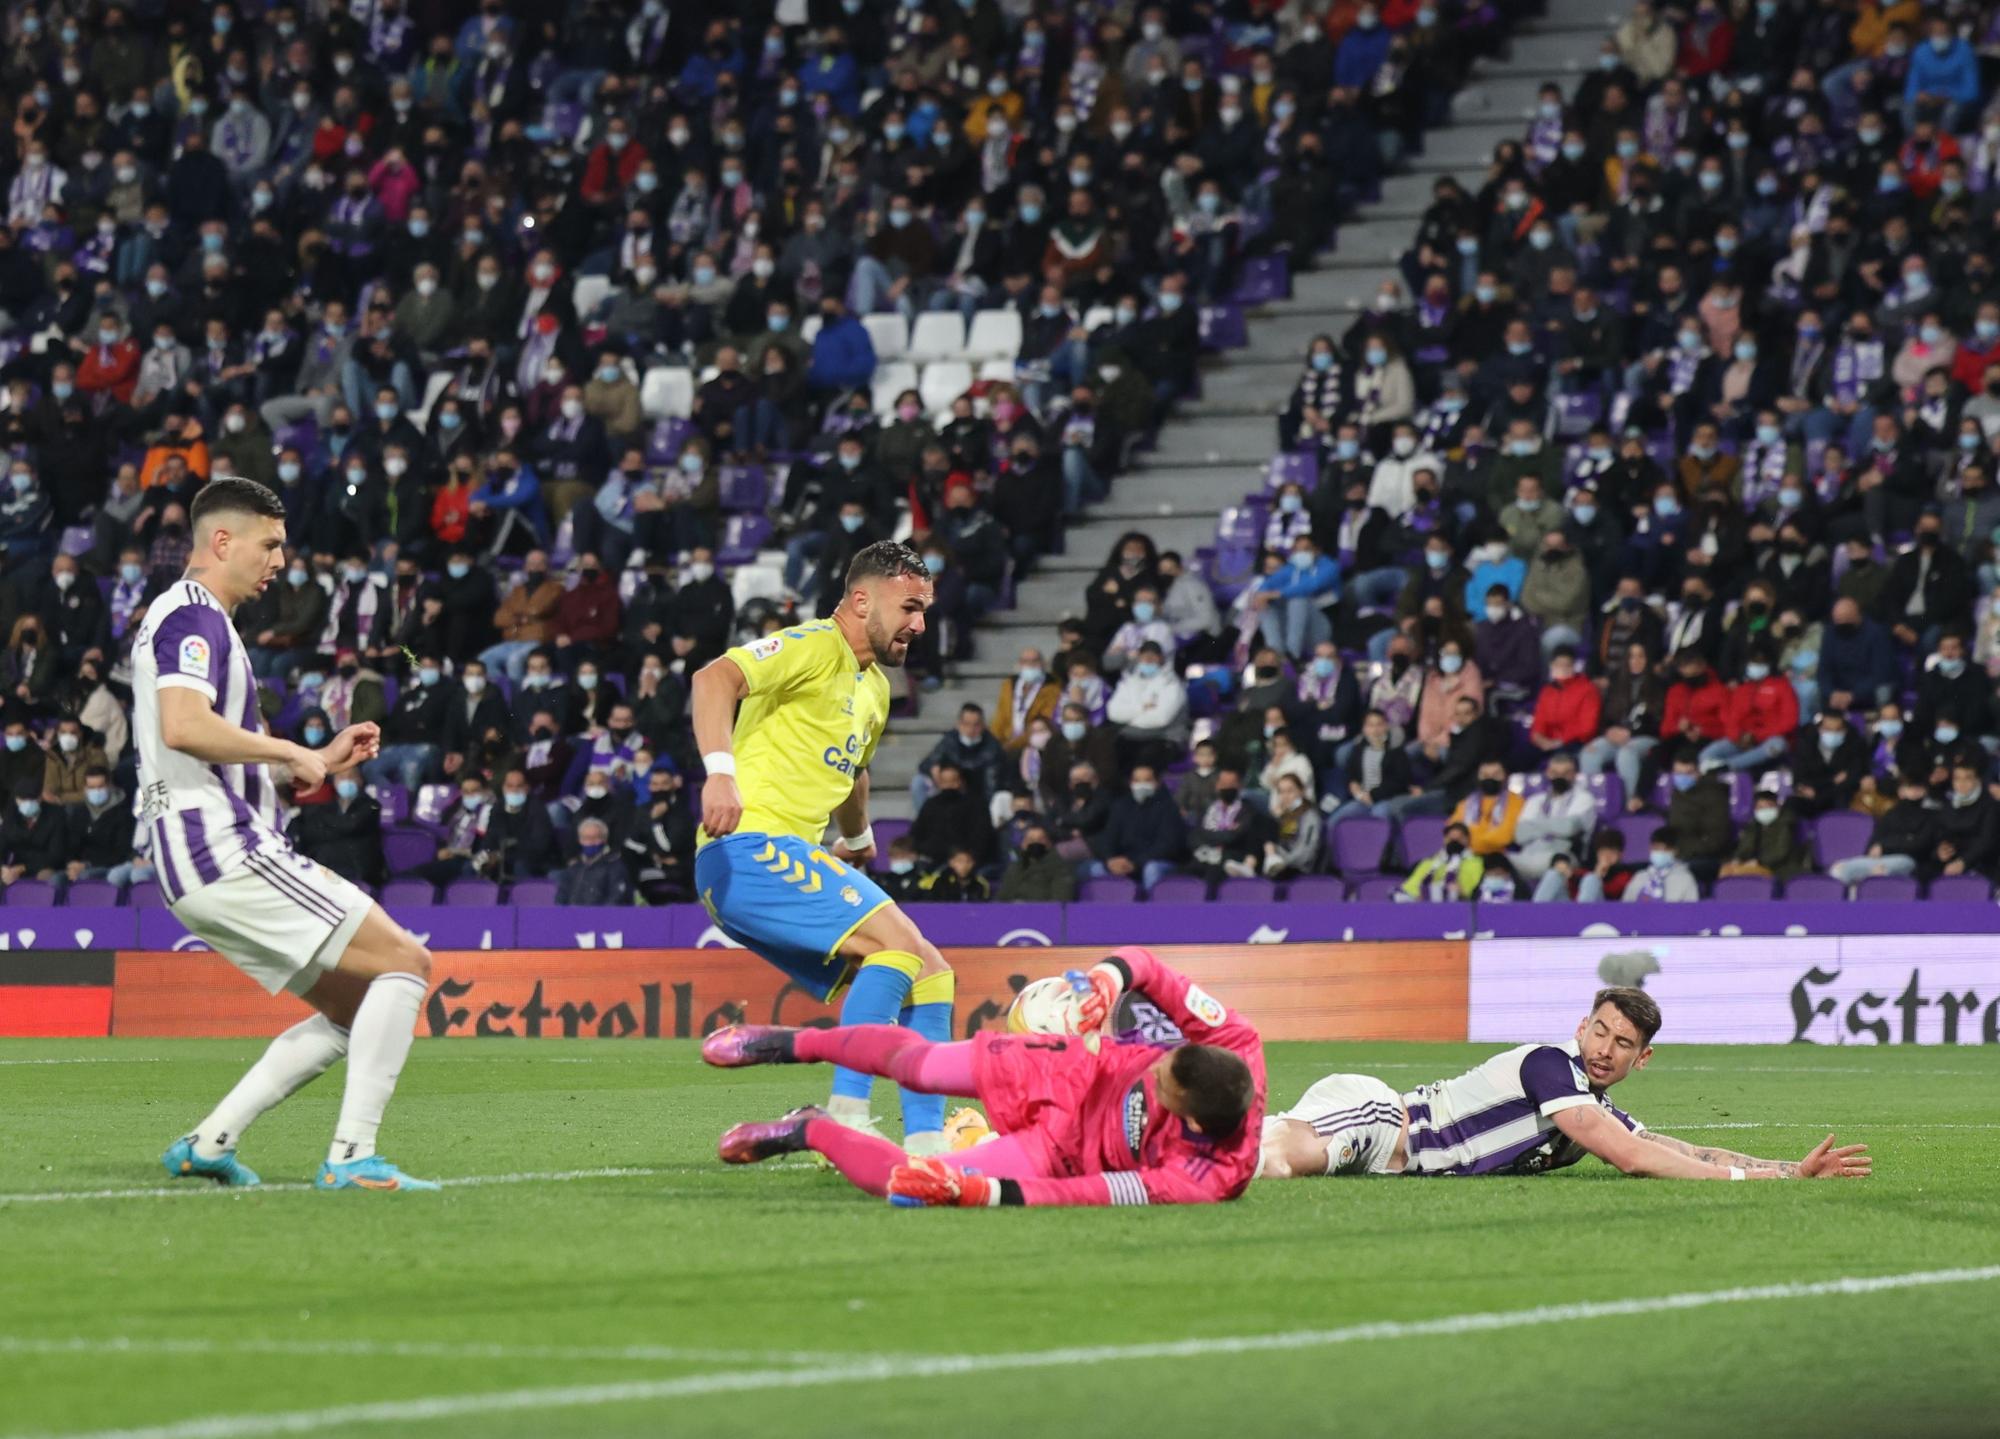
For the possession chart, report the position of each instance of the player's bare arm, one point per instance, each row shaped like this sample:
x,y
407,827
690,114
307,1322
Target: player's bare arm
x,y
1645,1157
189,723
857,838
1826,1161
719,687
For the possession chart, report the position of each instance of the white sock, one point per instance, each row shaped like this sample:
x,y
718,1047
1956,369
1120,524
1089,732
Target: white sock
x,y
847,1108
384,1026
295,1059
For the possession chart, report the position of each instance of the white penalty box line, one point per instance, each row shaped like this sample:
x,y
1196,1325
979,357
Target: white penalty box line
x,y
875,1369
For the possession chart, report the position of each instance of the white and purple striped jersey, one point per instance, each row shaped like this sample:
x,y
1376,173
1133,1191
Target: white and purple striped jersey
x,y
203,820
1500,1117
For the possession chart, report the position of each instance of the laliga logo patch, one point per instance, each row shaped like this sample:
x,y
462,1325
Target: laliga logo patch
x,y
194,657
763,649
1205,1007
849,893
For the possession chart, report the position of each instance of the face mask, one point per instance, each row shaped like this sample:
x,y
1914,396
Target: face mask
x,y
1347,449
1684,782
1451,664
1661,859
1144,792
297,578
586,682
1073,730
1756,671
1145,669
1438,560
1666,507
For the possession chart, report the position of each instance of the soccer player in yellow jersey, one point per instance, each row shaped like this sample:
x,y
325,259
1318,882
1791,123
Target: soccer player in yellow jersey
x,y
814,699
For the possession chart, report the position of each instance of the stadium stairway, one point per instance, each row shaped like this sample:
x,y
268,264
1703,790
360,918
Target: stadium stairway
x,y
1215,449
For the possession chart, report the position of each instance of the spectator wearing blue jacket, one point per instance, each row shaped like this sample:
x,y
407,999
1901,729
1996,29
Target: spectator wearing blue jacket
x,y
843,355
1361,54
835,75
509,503
1857,661
1944,72
705,68
1294,620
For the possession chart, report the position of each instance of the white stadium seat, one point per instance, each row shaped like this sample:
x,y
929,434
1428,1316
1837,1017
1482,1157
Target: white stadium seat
x,y
1001,371
943,382
433,387
938,335
809,331
889,335
588,293
890,381
996,335
668,393
1098,315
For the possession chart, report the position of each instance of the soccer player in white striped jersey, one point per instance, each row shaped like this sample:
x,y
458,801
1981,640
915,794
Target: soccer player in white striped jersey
x,y
210,779
1528,1110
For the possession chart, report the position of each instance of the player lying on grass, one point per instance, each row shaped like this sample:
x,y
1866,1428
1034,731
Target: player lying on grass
x,y
1534,1108
1081,1119
209,782
814,700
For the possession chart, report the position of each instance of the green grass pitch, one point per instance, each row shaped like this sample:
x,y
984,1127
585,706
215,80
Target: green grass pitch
x,y
685,1298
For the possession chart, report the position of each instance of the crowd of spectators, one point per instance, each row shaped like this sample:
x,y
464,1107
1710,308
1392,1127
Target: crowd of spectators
x,y
418,266
1651,505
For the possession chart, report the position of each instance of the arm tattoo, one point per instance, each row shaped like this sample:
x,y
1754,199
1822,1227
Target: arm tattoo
x,y
1726,1158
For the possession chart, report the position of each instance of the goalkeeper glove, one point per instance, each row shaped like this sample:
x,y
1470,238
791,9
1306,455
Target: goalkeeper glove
x,y
1097,996
931,1183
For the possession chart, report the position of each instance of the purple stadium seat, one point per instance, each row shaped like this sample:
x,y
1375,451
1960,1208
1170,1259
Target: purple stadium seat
x,y
742,537
1638,831
1814,889
1180,889
409,891
1887,886
531,891
1841,834
1422,835
1246,891
146,895
1378,887
76,540
404,849
1952,888
1266,278
1609,791
1296,467
1743,887
664,444
1222,327
1358,845
1316,889
394,799
1111,889
92,894
39,892
1576,413
744,487
471,893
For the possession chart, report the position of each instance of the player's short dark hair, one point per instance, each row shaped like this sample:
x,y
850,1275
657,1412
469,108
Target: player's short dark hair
x,y
234,496
1217,1086
1635,1004
886,560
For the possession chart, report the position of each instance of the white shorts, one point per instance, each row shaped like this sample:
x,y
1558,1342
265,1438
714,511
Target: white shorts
x,y
1358,1116
278,917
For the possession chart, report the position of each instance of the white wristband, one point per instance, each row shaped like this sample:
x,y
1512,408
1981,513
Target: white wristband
x,y
1736,1172
856,842
721,762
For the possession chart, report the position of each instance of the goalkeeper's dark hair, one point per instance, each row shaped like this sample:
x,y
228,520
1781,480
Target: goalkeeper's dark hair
x,y
1217,1086
234,496
1636,1005
886,560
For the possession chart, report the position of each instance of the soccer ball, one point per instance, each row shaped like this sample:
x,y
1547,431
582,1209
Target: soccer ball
x,y
967,1127
1048,1006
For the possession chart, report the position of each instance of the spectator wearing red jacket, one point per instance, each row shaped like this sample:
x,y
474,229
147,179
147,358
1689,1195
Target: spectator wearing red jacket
x,y
1567,709
111,366
1697,709
1979,351
1763,712
1707,42
587,614
614,163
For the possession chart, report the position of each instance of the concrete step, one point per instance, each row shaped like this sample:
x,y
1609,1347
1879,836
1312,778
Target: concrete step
x,y
1220,442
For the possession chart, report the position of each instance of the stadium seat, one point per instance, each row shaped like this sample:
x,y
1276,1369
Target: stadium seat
x,y
1739,887
889,334
92,894
1108,889
25,892
531,892
1316,889
943,382
1378,888
667,392
588,293
1951,888
471,893
435,386
1179,889
743,536
1638,831
1841,834
1359,844
1297,467
1421,836
409,892
146,895
1238,890
889,382
997,371
1814,889
811,326
938,335
1887,886
995,335
404,849
743,487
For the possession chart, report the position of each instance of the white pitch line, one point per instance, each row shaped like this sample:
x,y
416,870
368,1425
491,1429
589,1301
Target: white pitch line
x,y
469,1181
87,1059
23,1347
1794,1124
872,1368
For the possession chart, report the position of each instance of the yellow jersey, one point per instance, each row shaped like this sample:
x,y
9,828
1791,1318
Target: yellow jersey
x,y
809,725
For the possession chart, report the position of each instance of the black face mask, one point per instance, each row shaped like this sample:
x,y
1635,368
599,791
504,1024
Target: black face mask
x,y
1229,795
1267,673
1560,786
1454,847
1489,786
1033,851
1084,790
348,672
588,574
619,734
542,731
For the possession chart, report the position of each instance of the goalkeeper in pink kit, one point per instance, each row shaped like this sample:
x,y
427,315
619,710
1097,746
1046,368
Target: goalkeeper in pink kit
x,y
1081,1119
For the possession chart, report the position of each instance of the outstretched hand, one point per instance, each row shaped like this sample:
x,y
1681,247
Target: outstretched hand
x,y
1850,1161
1097,997
357,744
